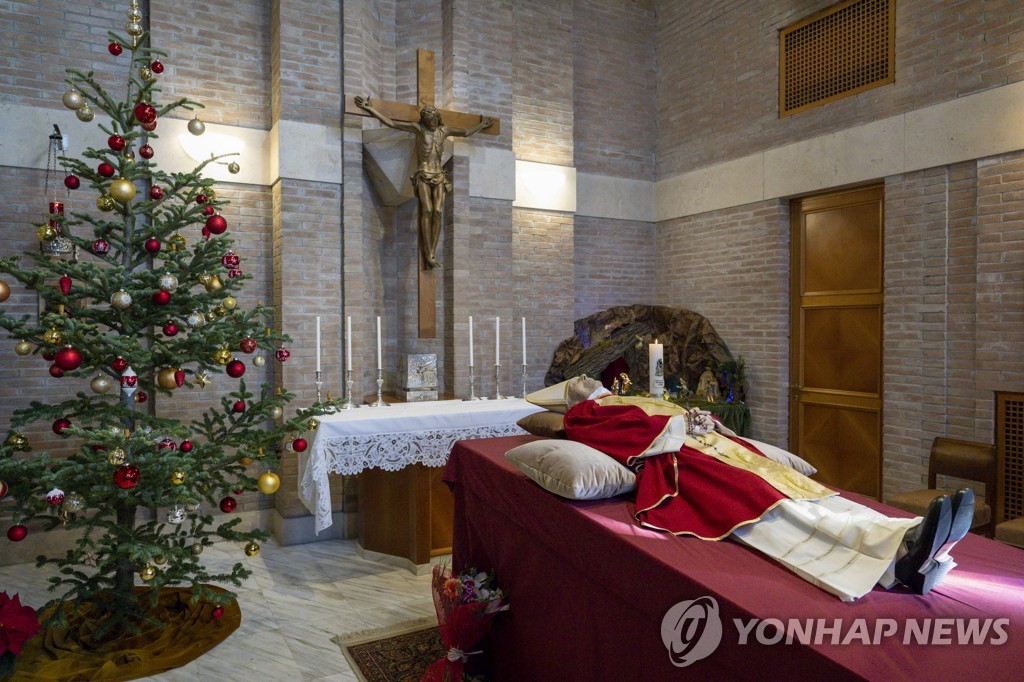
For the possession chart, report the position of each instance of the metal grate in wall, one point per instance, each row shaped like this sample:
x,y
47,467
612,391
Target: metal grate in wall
x,y
1010,448
844,50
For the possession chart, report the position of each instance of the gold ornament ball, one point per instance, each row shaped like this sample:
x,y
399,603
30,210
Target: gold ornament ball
x,y
116,457
178,477
46,233
276,412
196,127
73,99
133,29
222,356
176,243
122,190
165,378
312,424
252,549
5,291
268,483
105,203
52,336
214,284
101,384
134,14
85,114
245,461
121,299
259,361
228,303
160,560
211,315
18,441
147,573
168,282
197,549
233,168
205,279
220,311
145,73
23,348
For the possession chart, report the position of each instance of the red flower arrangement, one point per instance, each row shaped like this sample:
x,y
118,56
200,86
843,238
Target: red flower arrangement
x,y
465,604
18,624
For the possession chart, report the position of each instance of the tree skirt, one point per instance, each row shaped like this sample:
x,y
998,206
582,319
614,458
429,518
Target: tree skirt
x,y
70,654
400,653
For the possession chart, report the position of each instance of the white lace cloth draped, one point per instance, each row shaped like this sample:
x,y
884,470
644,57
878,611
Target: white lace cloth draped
x,y
391,438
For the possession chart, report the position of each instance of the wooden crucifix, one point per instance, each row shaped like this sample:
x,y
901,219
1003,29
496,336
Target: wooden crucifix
x,y
431,127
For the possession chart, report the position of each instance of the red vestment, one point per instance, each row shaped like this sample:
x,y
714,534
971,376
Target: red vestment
x,y
684,492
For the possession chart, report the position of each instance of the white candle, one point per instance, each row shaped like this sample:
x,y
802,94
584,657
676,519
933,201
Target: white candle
x,y
497,340
471,340
318,343
379,364
348,342
524,340
656,358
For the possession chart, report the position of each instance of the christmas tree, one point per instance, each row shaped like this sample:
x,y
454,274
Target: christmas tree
x,y
149,310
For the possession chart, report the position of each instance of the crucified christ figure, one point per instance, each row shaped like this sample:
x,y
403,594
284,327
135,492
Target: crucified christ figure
x,y
430,181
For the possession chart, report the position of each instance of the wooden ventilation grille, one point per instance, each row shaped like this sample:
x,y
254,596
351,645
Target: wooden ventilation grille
x,y
1010,447
844,50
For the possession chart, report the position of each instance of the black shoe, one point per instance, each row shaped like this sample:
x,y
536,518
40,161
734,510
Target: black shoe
x,y
962,504
923,542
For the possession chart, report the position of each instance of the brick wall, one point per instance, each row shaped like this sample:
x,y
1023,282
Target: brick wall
x,y
614,263
732,267
718,72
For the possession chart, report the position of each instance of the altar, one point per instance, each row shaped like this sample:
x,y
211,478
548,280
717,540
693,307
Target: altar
x,y
400,451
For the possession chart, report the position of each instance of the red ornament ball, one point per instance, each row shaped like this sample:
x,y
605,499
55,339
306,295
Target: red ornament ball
x,y
230,260
72,182
216,224
235,369
208,210
217,613
161,297
166,444
234,273
126,476
114,49
17,533
238,407
56,372
157,66
116,143
100,246
186,446
247,345
144,113
201,198
206,232
152,245
106,170
49,357
146,152
141,397
119,364
68,359
149,127
282,354
170,329
300,445
60,425
55,496
3,490
228,504
156,193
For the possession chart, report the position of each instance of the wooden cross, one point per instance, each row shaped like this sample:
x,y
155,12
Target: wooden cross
x,y
399,111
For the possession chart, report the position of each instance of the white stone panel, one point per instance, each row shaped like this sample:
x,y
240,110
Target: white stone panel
x,y
732,183
545,186
605,196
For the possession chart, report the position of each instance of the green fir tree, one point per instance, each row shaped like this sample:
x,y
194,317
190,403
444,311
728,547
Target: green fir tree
x,y
153,295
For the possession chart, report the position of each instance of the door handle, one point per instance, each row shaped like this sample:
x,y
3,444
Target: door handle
x,y
794,391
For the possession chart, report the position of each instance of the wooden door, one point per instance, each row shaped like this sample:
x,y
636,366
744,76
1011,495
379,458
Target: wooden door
x,y
836,337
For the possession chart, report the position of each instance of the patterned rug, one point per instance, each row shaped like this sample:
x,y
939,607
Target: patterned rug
x,y
399,653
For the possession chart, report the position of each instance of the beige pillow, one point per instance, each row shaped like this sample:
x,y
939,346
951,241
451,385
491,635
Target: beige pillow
x,y
572,470
545,424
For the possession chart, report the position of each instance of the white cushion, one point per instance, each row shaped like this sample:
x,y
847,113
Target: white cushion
x,y
783,457
552,397
572,470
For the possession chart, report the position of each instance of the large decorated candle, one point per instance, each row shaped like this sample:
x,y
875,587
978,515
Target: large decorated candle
x,y
656,356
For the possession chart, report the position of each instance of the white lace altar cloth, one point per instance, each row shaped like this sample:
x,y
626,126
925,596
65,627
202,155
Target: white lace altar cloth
x,y
391,438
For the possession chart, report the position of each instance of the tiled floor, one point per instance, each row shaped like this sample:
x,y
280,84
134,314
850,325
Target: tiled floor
x,y
297,599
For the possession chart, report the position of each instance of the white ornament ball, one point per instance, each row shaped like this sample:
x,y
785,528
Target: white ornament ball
x,y
276,412
259,361
195,320
168,282
55,496
121,299
176,515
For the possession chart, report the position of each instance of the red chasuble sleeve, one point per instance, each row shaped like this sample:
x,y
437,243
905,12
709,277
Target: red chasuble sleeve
x,y
685,492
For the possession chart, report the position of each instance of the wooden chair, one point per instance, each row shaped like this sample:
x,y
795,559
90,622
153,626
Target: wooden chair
x,y
960,459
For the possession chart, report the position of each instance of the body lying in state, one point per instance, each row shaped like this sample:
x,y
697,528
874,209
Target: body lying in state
x,y
696,477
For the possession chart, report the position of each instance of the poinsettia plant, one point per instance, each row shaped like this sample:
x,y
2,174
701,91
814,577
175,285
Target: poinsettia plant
x,y
18,624
465,603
